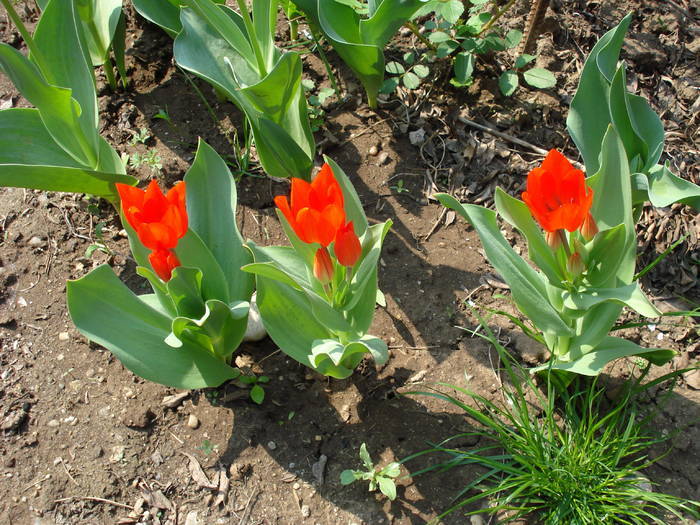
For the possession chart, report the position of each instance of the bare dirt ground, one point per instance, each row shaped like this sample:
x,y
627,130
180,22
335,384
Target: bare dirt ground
x,y
84,441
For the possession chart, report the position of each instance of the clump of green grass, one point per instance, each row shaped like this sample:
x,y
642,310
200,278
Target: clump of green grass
x,y
560,456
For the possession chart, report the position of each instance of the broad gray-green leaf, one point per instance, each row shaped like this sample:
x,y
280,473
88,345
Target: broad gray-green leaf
x,y
665,188
630,295
192,252
388,487
365,457
30,158
60,38
163,13
359,42
395,68
464,67
513,38
185,290
523,60
59,112
410,80
105,18
220,329
612,198
610,349
274,104
588,120
108,313
211,208
517,214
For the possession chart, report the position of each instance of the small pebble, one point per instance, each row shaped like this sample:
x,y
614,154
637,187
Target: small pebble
x,y
35,242
305,511
192,421
296,486
271,445
64,336
373,150
53,423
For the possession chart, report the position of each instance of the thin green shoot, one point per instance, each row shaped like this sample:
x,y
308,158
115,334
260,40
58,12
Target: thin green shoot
x,y
660,258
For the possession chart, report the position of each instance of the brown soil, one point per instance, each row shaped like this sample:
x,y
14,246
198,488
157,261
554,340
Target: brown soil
x,y
84,441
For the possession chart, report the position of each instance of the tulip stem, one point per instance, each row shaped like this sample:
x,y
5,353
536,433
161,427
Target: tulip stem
x,y
564,242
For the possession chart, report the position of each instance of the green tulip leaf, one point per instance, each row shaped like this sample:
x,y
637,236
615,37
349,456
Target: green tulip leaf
x,y
185,290
665,188
211,209
163,13
586,123
516,213
219,331
630,295
610,349
108,313
527,286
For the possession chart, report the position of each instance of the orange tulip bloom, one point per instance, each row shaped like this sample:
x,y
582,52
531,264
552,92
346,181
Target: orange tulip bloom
x,y
323,266
557,194
159,221
347,245
316,211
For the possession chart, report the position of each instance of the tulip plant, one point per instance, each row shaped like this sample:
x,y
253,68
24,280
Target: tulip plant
x,y
317,296
104,29
581,232
235,52
187,245
360,41
639,128
55,146
581,237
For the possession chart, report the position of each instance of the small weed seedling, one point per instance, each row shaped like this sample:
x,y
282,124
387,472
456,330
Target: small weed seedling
x,y
317,115
163,114
399,187
140,137
409,74
208,447
257,392
150,159
464,40
377,478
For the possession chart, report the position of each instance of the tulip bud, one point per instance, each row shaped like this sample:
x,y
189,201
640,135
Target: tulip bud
x,y
163,263
323,266
553,240
589,228
574,265
347,246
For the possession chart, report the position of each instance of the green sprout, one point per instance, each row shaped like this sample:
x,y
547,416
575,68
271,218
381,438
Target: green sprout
x,y
382,478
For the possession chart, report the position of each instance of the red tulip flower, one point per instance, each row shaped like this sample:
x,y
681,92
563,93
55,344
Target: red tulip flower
x,y
557,194
316,211
347,246
159,221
